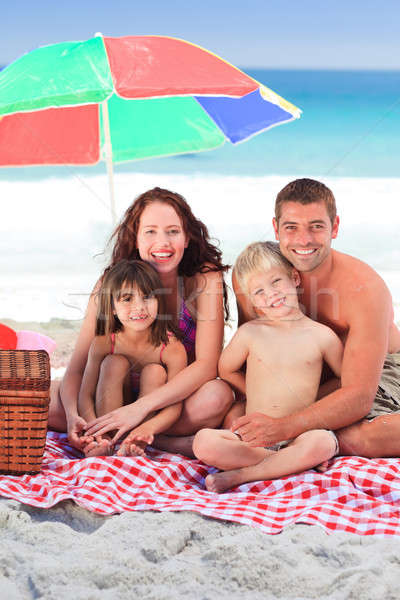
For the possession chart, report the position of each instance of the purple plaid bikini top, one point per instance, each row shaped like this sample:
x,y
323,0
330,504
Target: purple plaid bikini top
x,y
187,325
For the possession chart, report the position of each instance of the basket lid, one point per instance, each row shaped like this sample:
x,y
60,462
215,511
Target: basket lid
x,y
24,370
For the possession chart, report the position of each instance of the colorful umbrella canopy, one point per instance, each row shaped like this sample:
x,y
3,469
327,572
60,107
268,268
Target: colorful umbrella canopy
x,y
127,98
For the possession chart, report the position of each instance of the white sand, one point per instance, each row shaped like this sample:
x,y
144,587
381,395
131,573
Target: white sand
x,y
68,552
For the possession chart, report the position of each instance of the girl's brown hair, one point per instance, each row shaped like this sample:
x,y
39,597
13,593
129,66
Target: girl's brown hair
x,y
200,256
125,274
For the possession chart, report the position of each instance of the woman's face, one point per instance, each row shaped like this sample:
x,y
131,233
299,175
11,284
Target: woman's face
x,y
161,239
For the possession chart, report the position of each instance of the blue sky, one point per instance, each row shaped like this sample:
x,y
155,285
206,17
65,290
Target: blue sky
x,y
316,34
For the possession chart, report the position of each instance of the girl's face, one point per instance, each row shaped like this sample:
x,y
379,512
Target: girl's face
x,y
161,239
135,309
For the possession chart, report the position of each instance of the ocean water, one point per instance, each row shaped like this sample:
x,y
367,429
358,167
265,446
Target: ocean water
x,y
56,221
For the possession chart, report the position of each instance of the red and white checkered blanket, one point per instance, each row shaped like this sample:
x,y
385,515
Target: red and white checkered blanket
x,y
356,494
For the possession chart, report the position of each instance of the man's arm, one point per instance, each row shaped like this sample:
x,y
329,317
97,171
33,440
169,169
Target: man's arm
x,y
332,350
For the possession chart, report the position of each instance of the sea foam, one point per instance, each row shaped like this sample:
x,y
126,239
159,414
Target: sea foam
x,y
54,231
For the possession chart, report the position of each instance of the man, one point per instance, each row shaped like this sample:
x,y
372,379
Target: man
x,y
347,295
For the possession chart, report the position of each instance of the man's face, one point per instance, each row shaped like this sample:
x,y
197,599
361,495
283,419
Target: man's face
x,y
305,234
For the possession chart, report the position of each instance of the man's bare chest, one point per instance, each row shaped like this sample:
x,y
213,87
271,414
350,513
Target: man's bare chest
x,y
324,306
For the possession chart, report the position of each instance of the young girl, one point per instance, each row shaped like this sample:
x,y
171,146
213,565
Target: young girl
x,y
128,330
159,228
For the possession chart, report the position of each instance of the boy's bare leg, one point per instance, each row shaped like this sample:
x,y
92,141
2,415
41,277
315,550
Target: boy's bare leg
x,y
225,450
56,420
309,449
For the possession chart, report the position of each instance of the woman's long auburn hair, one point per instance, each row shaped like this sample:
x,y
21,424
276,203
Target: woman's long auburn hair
x,y
124,275
200,256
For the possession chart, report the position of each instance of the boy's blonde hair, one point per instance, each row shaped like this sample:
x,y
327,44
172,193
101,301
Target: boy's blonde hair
x,y
259,257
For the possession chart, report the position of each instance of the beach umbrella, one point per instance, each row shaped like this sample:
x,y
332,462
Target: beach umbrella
x,y
127,98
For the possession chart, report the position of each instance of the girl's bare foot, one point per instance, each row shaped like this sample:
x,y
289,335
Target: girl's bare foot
x,y
101,448
132,449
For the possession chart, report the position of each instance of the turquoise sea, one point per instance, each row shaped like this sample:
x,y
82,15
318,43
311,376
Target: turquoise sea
x,y
350,126
56,221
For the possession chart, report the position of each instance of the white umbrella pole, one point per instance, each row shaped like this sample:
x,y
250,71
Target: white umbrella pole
x,y
109,163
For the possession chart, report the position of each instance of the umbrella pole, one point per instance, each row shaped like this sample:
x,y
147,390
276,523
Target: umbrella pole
x,y
109,163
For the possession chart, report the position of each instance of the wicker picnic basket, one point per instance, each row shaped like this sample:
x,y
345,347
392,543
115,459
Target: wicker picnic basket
x,y
24,406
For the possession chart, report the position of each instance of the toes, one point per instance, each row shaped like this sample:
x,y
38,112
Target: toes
x,y
89,447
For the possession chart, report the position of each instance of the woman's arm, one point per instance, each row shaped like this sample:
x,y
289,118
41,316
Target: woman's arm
x,y
72,380
209,339
174,358
160,422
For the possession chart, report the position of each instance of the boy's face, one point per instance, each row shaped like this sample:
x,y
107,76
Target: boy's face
x,y
274,292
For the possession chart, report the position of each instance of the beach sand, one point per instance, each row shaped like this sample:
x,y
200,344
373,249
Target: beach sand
x,y
68,552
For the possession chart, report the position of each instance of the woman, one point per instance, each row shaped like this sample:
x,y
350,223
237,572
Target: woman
x,y
160,228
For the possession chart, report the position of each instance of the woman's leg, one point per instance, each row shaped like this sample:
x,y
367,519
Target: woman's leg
x,y
56,420
206,407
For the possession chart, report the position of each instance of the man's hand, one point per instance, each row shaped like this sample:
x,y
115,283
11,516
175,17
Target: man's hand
x,y
258,430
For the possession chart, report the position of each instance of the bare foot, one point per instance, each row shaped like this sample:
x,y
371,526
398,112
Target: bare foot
x,y
220,482
132,449
176,445
101,448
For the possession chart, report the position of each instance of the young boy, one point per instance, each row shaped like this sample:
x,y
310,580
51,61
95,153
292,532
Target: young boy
x,y
284,352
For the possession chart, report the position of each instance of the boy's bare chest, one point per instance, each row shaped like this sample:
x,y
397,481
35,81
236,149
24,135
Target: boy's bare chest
x,y
283,351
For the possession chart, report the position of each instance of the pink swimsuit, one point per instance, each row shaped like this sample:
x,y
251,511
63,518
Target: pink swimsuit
x,y
135,377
